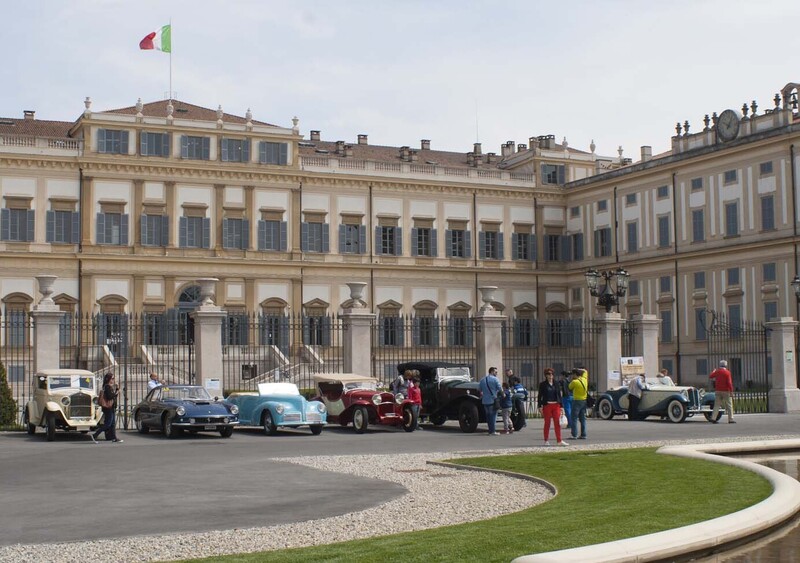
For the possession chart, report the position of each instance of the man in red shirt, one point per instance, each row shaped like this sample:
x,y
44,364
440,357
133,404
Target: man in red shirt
x,y
723,387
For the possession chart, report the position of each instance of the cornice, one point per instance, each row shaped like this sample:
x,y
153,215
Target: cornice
x,y
43,162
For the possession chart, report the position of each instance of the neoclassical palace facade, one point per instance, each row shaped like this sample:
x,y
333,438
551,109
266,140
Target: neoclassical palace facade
x,y
129,207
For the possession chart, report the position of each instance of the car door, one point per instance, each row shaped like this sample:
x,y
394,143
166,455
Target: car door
x,y
148,407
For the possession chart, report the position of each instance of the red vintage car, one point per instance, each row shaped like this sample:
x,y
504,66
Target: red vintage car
x,y
361,400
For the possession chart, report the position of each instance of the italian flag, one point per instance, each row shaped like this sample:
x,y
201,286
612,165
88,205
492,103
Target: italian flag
x,y
161,40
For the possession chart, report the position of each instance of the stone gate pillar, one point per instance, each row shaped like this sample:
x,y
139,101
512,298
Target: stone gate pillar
x,y
357,333
609,349
488,336
46,327
208,319
647,327
784,396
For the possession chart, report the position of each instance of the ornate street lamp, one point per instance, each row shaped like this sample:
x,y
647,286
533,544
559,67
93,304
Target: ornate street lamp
x,y
796,286
608,297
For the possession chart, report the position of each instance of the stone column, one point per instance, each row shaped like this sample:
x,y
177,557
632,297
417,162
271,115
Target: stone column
x,y
357,324
609,348
647,327
46,323
208,339
488,336
784,396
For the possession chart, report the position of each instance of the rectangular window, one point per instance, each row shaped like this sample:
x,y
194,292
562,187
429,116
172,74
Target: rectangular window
x,y
155,230
729,177
602,242
666,326
112,228
553,174
234,331
459,332
352,239
389,240
195,232
314,237
662,192
423,241
698,225
235,150
522,246
552,248
17,225
632,231
273,153
17,327
699,280
236,233
633,288
491,245
111,141
732,219
733,276
574,212
602,205
767,213
577,246
195,148
576,294
701,366
770,310
526,332
665,284
735,319
700,324
663,231
697,184
272,235
63,227
425,331
765,168
769,272
154,144
630,199
391,330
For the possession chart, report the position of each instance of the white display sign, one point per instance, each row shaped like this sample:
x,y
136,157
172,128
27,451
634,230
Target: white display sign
x,y
614,379
631,365
213,385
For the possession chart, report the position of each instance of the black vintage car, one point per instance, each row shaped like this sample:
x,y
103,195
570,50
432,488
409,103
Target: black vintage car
x,y
449,393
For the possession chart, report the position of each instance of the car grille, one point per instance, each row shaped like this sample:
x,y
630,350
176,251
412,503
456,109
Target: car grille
x,y
694,398
210,419
292,417
314,417
80,406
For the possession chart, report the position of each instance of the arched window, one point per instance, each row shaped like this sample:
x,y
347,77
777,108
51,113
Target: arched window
x,y
274,324
390,324
459,325
425,326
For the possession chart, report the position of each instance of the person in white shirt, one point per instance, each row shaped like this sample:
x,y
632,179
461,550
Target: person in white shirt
x,y
154,381
635,388
665,379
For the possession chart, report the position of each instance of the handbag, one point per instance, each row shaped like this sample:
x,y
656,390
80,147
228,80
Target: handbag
x,y
103,402
562,420
496,402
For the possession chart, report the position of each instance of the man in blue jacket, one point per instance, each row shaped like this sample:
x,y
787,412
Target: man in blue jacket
x,y
490,390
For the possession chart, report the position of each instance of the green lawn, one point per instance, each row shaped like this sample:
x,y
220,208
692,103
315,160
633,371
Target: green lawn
x,y
603,496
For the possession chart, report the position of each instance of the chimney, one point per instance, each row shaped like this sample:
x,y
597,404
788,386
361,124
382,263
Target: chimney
x,y
534,142
546,142
413,156
315,135
507,149
348,150
404,153
491,158
29,114
362,139
647,153
477,149
470,158
340,147
425,144
521,147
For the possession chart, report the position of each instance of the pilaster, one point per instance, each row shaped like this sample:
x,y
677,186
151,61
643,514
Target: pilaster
x,y
609,349
784,396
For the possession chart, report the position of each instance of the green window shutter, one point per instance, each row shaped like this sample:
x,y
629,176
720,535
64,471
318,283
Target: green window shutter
x,y
50,226
284,154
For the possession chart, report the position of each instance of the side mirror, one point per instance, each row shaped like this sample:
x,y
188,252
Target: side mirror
x,y
216,399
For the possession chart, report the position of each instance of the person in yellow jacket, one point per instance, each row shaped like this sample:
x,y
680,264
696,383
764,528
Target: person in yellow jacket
x,y
579,386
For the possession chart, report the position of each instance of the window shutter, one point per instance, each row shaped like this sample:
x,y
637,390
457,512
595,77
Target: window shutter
x,y
262,152
451,325
382,326
206,232
304,237
362,239
224,145
183,234
166,144
500,245
284,154
283,237
342,231
123,142
326,247
143,143
515,246
578,246
376,249
306,329
597,243
101,140
50,226
326,330
566,252
434,244
262,235
534,332
562,174
184,146
143,230
226,234
415,331
101,228
400,330
246,150
448,243
436,331
481,245
518,327
467,244
206,149
577,333
245,234
123,230
398,241
534,249
414,242
164,231
469,328
76,227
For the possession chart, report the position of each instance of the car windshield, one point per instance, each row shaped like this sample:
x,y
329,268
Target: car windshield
x,y
71,381
278,389
184,393
369,385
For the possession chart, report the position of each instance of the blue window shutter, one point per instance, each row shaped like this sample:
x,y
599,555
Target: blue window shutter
x,y
164,231
469,333
206,232
262,235
448,243
183,235
376,249
326,330
564,243
225,234
224,145
382,331
143,230
597,243
342,231
481,245
434,243
76,227
414,243
518,332
400,330
101,140
166,145
245,234
31,223
326,246
284,154
184,146
362,239
123,142
262,152
467,244
435,327
534,250
514,246
500,245
101,228
579,246
304,237
415,331
306,329
246,150
50,226
398,241
283,241
562,178
450,332
206,149
142,143
123,229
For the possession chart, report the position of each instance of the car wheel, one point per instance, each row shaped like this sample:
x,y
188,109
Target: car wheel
x,y
605,409
519,421
140,425
316,429
270,428
468,417
709,415
170,431
438,420
676,411
360,419
51,427
31,428
226,432
409,419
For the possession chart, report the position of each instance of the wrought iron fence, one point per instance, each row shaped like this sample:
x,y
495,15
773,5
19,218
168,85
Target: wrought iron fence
x,y
629,332
16,357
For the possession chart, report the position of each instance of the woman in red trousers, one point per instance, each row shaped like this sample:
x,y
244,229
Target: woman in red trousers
x,y
549,402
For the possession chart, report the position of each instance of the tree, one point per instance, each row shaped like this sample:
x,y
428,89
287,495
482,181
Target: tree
x,y
8,406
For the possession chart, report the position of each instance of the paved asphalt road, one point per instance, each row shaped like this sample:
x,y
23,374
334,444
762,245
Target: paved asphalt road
x,y
54,491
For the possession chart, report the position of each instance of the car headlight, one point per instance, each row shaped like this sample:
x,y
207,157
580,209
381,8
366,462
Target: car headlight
x,y
65,401
376,399
685,394
399,398
95,401
180,411
279,409
321,407
234,409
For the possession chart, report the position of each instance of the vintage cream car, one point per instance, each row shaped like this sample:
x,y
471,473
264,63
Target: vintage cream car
x,y
65,399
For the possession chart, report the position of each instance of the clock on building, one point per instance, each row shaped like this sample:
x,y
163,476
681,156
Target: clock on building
x,y
727,125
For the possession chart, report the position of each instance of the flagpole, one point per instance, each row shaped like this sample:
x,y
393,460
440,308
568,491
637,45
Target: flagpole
x,y
170,59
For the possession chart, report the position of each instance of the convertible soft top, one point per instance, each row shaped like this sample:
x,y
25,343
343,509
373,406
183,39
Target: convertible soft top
x,y
80,372
401,368
341,377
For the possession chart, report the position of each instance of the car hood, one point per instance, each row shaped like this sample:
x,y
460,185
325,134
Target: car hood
x,y
460,384
200,405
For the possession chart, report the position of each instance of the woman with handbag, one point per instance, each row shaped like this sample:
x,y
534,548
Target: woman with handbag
x,y
549,402
107,399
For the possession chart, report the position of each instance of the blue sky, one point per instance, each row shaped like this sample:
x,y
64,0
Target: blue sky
x,y
619,72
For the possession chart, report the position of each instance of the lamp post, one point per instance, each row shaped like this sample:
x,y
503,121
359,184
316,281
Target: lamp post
x,y
796,286
608,297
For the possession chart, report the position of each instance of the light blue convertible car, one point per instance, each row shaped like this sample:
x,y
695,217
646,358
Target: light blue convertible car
x,y
276,405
